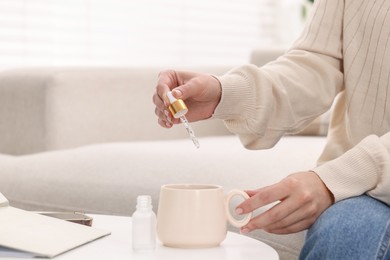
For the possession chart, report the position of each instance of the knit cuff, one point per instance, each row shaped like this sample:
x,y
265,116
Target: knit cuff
x,y
237,97
352,174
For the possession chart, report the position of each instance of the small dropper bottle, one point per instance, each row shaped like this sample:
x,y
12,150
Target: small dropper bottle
x,y
144,225
178,110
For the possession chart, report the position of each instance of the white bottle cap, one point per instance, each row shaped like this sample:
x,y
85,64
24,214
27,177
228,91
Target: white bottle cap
x,y
171,97
177,106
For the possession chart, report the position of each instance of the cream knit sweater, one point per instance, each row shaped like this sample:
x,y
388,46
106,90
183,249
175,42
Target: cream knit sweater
x,y
344,51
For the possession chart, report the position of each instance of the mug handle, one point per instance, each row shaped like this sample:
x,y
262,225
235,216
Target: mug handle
x,y
236,222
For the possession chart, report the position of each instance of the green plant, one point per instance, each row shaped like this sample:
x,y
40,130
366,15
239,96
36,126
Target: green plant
x,y
305,8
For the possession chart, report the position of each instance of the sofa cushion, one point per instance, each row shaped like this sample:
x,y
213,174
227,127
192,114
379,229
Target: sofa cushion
x,y
104,178
107,178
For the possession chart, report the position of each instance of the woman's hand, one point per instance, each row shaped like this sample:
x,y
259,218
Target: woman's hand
x,y
201,93
303,197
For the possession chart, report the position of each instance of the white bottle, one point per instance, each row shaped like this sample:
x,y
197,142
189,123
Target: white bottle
x,y
144,225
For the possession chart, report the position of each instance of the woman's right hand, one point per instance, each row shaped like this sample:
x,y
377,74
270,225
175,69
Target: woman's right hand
x,y
201,93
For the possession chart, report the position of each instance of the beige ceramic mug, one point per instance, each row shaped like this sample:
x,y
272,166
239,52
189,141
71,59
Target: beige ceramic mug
x,y
195,215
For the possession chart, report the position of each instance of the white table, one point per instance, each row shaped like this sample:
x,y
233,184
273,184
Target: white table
x,y
118,246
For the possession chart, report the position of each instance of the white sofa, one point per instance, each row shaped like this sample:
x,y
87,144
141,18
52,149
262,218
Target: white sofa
x,y
87,139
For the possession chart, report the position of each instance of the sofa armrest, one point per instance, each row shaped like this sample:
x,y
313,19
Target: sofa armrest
x,y
22,112
50,109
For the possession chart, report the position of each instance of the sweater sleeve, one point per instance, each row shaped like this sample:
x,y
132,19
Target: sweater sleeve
x,y
363,169
263,104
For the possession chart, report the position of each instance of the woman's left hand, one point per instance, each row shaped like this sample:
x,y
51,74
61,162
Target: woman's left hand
x,y
302,198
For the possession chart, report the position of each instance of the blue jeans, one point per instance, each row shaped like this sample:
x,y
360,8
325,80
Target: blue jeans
x,y
355,228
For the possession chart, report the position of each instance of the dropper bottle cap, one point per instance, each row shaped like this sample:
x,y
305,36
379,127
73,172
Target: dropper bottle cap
x,y
177,106
178,110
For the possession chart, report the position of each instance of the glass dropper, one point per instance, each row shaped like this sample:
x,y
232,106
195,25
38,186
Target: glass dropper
x,y
178,110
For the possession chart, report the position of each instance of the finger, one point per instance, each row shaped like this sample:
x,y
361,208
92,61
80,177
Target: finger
x,y
166,116
164,123
182,92
262,197
159,103
163,114
252,192
281,215
306,214
273,215
188,89
167,80
158,113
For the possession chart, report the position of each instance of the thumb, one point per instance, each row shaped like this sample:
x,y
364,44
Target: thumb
x,y
185,91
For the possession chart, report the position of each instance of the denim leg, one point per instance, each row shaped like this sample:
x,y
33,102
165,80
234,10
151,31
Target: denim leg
x,y
355,228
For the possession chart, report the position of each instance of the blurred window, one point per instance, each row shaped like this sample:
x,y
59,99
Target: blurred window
x,y
137,33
